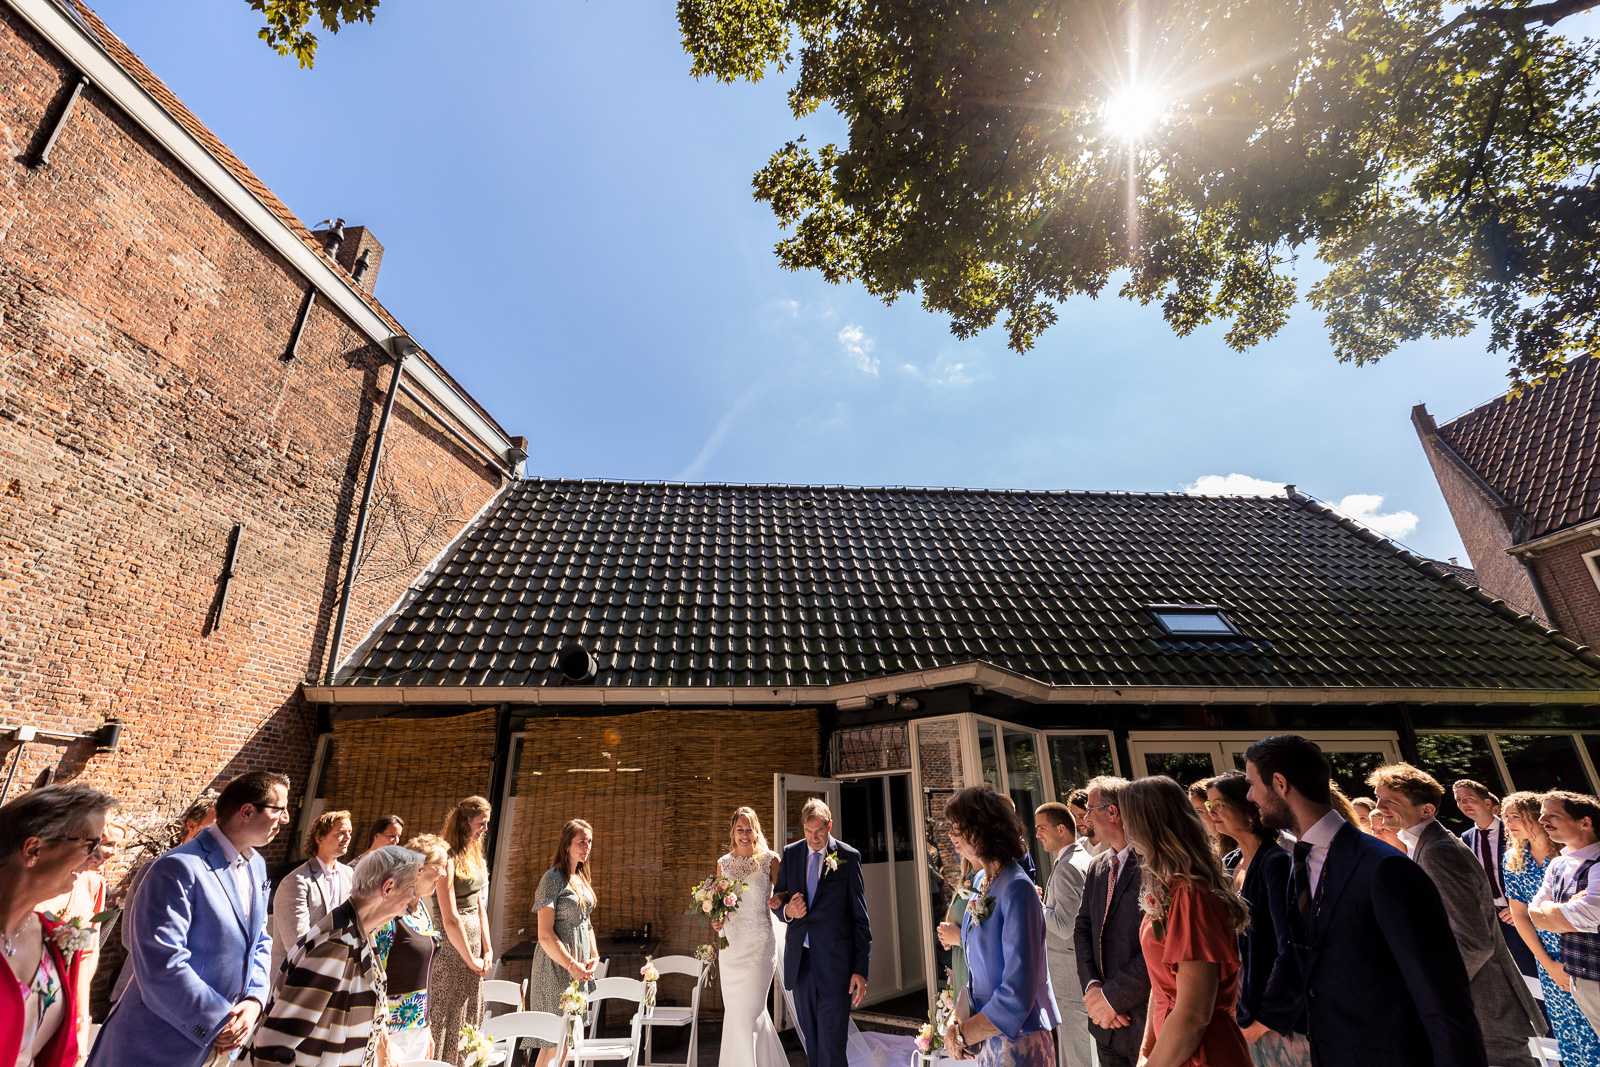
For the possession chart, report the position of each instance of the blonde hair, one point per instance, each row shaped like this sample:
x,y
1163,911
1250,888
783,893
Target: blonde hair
x,y
815,808
563,855
1166,831
321,827
755,824
433,848
1342,805
457,833
1518,853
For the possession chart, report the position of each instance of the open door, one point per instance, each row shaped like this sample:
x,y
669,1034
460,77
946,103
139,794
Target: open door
x,y
789,794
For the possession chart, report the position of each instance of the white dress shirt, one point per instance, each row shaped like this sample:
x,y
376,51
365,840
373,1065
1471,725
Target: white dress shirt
x,y
1412,834
239,864
1319,837
1584,915
329,879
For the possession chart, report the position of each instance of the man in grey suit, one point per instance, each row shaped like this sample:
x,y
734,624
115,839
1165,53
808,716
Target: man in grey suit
x,y
1506,1010
1105,936
1053,825
314,888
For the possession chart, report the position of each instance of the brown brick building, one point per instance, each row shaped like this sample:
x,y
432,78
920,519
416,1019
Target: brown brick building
x,y
1521,475
187,379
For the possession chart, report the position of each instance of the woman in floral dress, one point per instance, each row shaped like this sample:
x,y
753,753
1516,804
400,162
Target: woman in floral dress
x,y
1522,866
566,951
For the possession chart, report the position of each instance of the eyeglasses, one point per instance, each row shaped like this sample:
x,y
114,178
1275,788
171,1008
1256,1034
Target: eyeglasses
x,y
272,807
89,843
1214,806
1099,807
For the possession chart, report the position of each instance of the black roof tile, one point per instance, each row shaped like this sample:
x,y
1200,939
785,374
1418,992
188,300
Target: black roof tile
x,y
672,584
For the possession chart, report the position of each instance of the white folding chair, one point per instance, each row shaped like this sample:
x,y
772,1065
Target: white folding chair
x,y
500,991
425,1063
589,1016
512,1028
1546,1051
675,1015
612,1049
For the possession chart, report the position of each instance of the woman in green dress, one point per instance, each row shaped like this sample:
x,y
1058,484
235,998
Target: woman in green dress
x,y
566,951
950,930
455,994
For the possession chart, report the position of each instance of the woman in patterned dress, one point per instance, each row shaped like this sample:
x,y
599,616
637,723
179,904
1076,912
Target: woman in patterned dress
x,y
455,995
1522,870
566,951
405,948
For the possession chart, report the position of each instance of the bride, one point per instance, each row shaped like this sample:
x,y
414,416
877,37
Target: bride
x,y
748,963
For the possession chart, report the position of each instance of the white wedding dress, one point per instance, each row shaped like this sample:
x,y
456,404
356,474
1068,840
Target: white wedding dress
x,y
746,968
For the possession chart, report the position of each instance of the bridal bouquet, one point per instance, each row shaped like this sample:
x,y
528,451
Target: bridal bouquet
x,y
716,898
476,1048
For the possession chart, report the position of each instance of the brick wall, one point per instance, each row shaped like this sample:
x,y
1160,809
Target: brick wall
x,y
1570,589
144,410
1484,531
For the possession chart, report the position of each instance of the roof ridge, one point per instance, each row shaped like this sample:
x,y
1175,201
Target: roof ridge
x,y
848,487
1433,570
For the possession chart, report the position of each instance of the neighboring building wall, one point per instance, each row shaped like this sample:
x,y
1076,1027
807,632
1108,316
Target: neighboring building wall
x,y
1570,589
1481,522
145,409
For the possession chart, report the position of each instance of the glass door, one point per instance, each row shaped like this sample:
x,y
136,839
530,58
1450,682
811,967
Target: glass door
x,y
874,817
789,795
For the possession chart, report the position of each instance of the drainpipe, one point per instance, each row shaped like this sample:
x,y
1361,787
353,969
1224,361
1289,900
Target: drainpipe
x,y
406,349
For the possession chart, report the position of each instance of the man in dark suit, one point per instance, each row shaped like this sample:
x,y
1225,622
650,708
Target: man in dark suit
x,y
1507,1012
1486,837
829,940
1111,967
1385,985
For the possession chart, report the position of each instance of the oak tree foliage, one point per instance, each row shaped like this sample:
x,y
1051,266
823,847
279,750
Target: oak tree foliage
x,y
288,23
1439,161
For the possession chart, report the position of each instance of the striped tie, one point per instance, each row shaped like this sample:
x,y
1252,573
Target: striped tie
x,y
1111,888
1301,877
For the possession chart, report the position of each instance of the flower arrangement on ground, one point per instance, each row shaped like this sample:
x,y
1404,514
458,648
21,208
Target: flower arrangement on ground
x,y
715,899
476,1048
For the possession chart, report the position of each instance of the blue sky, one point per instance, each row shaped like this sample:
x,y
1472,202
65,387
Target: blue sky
x,y
568,226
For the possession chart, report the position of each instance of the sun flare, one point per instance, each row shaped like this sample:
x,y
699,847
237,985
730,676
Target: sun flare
x,y
1133,112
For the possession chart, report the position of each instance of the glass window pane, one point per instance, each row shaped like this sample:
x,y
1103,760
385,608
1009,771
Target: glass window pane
x,y
1541,762
989,755
1351,769
1185,767
1075,760
1592,741
939,759
1026,785
1452,757
900,816
1184,623
862,825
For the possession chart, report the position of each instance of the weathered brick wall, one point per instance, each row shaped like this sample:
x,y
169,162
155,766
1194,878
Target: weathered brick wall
x,y
1483,531
1571,590
144,410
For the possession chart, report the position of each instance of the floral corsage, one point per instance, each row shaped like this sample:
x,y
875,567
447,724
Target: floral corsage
x,y
1156,907
74,935
830,863
980,907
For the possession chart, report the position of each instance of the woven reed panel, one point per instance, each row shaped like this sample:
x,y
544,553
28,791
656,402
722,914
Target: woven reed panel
x,y
414,768
658,787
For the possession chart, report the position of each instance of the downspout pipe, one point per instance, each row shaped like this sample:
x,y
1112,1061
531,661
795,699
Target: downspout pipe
x,y
361,515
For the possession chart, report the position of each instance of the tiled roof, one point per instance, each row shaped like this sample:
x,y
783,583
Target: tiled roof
x,y
1450,566
752,585
1539,451
125,58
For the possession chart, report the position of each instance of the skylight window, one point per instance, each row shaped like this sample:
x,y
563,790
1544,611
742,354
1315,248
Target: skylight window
x,y
1192,621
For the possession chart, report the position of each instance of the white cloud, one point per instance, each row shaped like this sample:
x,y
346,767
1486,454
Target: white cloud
x,y
944,372
858,347
790,308
1233,485
720,434
1363,507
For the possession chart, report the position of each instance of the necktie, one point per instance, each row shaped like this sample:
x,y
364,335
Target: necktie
x,y
1111,888
1300,880
1486,857
813,872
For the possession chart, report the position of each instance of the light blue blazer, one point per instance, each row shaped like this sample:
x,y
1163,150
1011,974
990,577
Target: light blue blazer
x,y
1008,974
197,952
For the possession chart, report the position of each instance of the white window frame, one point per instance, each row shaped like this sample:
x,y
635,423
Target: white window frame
x,y
1500,760
1221,744
1592,561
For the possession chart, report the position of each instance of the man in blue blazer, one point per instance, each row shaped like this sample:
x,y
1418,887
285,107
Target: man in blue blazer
x,y
201,950
829,940
1384,981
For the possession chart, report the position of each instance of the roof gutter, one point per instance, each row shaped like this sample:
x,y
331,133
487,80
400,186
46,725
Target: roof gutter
x,y
1560,537
84,51
984,675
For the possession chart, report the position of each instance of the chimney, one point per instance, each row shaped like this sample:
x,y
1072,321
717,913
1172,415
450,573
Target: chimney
x,y
358,252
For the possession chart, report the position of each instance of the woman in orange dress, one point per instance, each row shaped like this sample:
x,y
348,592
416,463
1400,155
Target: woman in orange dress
x,y
1190,934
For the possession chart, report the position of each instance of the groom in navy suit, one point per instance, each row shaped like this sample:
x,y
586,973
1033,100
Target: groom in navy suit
x,y
829,939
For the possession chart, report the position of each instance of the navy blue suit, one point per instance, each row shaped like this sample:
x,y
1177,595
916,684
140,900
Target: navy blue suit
x,y
1385,985
841,945
1519,948
1271,991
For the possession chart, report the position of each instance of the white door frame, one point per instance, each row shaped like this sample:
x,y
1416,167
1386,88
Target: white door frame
x,y
1222,744
894,882
782,785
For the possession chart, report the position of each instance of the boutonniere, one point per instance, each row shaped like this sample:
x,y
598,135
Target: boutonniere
x,y
74,935
830,863
980,908
1156,907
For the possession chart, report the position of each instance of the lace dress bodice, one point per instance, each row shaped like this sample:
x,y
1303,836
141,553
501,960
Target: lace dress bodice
x,y
752,922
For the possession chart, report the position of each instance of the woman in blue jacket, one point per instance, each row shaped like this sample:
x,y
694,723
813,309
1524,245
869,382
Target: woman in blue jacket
x,y
1272,1005
1002,936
